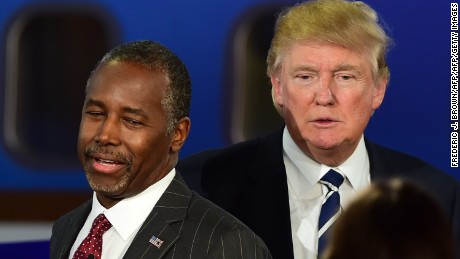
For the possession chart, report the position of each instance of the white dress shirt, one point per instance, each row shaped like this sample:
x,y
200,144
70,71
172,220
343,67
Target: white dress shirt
x,y
126,217
306,194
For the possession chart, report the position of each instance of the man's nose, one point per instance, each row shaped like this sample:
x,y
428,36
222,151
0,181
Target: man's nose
x,y
324,95
109,132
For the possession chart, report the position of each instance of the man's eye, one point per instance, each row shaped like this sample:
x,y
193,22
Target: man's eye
x,y
345,77
94,114
304,77
133,122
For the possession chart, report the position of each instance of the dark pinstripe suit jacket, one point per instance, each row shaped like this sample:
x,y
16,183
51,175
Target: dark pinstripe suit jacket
x,y
190,226
249,180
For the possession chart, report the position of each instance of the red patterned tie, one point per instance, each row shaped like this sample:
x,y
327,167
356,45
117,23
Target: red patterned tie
x,y
91,247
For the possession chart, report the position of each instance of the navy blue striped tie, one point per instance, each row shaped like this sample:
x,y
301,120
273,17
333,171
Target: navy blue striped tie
x,y
330,209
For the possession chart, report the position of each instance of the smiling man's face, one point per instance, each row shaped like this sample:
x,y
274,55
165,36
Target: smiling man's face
x,y
123,143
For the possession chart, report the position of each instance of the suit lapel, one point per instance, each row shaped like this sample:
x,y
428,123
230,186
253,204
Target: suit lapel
x,y
268,164
378,168
160,231
270,197
74,225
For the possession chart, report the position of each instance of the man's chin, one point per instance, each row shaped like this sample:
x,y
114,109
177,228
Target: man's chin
x,y
324,144
106,189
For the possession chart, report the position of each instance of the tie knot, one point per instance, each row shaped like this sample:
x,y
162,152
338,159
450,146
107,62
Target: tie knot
x,y
100,225
333,178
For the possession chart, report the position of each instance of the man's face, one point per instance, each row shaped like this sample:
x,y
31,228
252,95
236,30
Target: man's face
x,y
123,143
327,94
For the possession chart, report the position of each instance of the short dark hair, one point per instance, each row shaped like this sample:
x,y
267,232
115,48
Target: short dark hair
x,y
155,56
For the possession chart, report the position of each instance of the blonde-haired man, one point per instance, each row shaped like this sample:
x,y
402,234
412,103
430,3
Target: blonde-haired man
x,y
328,73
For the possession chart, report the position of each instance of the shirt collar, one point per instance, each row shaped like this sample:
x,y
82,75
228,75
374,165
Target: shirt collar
x,y
128,214
309,168
355,168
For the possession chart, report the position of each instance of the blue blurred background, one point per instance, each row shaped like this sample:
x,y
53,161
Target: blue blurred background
x,y
218,41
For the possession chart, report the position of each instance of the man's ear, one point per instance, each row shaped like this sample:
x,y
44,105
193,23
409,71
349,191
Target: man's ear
x,y
277,91
181,131
379,93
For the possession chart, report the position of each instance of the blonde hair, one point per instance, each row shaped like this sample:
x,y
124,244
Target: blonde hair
x,y
353,25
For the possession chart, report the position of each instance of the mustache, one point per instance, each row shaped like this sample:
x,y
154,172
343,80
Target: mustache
x,y
126,158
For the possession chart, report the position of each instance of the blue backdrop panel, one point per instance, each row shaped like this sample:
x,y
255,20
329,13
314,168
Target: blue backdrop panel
x,y
414,117
25,250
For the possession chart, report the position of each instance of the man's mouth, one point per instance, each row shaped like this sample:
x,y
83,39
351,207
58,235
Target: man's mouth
x,y
107,162
326,122
106,165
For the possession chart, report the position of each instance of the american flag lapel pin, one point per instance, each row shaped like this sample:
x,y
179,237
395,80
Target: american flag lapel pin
x,y
156,241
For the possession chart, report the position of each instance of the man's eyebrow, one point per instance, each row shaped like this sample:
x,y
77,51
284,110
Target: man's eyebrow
x,y
303,68
136,111
348,68
91,101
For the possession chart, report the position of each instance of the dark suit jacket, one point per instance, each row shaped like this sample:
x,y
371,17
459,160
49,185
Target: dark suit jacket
x,y
190,226
248,179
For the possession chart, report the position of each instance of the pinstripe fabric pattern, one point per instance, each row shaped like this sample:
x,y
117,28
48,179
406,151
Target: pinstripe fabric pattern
x,y
189,226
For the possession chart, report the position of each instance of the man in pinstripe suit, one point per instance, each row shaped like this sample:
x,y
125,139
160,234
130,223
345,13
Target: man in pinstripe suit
x,y
134,122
